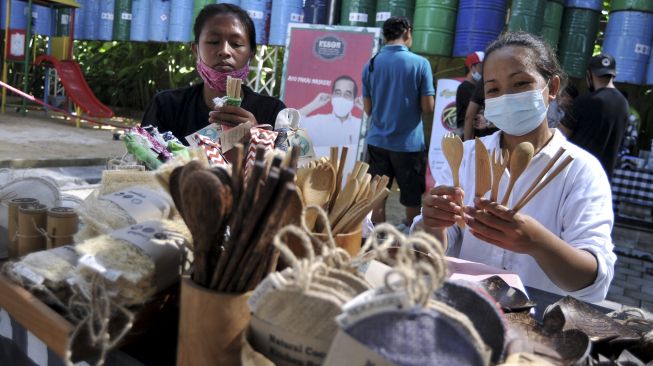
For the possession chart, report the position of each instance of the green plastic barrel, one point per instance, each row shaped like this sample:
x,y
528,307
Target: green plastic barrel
x,y
122,20
527,15
579,30
358,12
63,21
552,21
434,26
391,8
199,5
638,5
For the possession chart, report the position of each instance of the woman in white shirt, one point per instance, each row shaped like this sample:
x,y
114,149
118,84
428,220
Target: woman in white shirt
x,y
560,241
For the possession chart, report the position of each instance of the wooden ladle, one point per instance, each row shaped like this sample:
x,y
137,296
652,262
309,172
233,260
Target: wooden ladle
x,y
520,158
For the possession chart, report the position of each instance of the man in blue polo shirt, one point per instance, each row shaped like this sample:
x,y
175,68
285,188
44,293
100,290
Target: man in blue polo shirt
x,y
397,89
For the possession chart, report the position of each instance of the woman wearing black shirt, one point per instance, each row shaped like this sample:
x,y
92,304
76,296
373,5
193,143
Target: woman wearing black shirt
x,y
225,41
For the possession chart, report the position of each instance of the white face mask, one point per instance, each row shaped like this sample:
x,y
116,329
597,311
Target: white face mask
x,y
342,106
517,114
476,76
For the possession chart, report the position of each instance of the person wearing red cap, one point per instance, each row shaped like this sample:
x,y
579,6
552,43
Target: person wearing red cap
x,y
473,67
598,120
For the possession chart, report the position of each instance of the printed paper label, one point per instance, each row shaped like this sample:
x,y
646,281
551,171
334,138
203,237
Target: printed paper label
x,y
165,247
284,348
382,16
140,203
358,17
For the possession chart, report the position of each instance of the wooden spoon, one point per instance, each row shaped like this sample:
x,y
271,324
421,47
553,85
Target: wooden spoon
x,y
452,147
202,201
317,189
521,157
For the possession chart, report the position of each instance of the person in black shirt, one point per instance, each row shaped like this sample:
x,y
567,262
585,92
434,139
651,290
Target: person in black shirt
x,y
475,123
225,41
598,120
473,66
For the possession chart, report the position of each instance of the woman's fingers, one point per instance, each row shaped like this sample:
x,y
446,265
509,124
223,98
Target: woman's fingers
x,y
231,115
439,208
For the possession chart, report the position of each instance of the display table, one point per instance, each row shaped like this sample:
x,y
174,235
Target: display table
x,y
632,194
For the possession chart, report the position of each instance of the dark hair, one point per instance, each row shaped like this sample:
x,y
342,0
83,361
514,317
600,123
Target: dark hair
x,y
395,27
213,9
467,69
543,58
345,77
572,91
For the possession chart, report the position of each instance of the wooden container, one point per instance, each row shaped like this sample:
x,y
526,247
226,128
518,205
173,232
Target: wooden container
x,y
210,326
62,224
12,223
31,218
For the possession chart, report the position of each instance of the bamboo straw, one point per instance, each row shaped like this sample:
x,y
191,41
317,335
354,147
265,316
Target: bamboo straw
x,y
546,181
537,180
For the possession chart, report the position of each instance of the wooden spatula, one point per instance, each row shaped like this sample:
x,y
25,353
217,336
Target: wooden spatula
x,y
483,175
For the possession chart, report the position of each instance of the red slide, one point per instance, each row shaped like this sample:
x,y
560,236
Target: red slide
x,y
76,87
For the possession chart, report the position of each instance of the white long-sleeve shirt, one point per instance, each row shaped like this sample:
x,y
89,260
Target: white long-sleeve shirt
x,y
576,206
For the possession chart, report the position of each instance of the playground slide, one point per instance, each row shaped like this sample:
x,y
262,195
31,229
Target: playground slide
x,y
76,87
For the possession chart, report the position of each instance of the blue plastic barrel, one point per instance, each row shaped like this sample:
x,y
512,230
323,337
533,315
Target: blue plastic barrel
x,y
140,20
41,20
584,4
316,11
284,12
234,2
18,18
159,20
91,19
479,22
181,21
628,39
259,11
106,20
649,71
79,20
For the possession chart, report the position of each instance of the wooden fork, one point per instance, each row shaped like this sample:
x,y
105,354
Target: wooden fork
x,y
499,164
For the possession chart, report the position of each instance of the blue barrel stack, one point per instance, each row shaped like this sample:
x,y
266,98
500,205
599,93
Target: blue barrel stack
x,y
106,20
181,21
284,12
479,22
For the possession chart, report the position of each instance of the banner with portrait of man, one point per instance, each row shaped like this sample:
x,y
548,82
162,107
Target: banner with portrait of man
x,y
321,78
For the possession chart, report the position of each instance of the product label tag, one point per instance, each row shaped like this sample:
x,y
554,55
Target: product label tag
x,y
382,16
165,247
358,17
285,348
140,203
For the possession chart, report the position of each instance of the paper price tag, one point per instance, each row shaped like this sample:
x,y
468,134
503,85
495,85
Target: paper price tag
x,y
298,18
92,263
106,16
378,303
27,273
255,14
358,17
382,16
126,16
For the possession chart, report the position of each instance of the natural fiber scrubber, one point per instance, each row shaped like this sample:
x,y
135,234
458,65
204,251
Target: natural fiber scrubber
x,y
471,299
419,338
115,180
127,206
401,322
134,270
49,268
